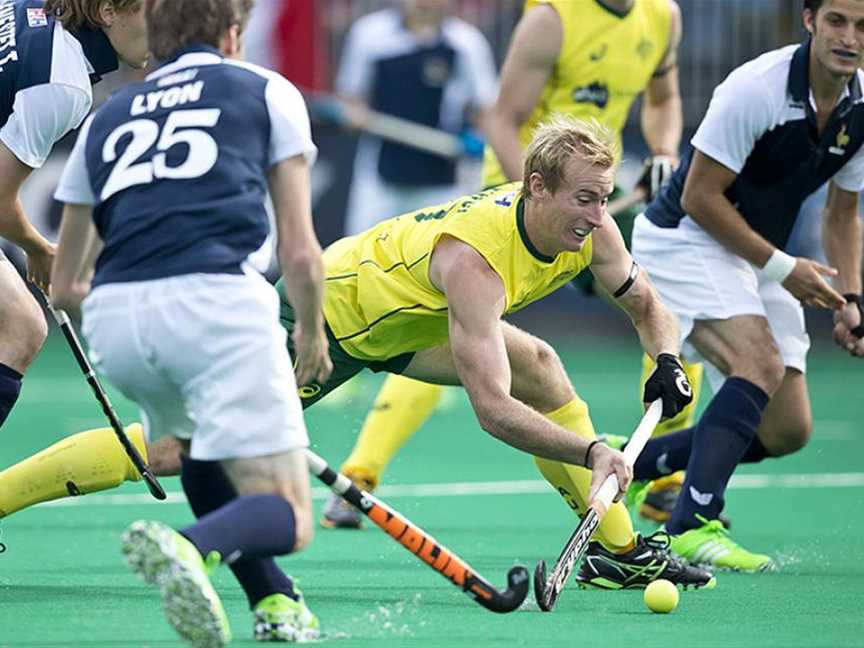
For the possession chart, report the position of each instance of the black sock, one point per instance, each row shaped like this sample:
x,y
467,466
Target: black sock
x,y
208,488
664,455
725,431
10,387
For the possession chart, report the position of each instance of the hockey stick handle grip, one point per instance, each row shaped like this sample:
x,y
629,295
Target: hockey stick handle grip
x,y
609,488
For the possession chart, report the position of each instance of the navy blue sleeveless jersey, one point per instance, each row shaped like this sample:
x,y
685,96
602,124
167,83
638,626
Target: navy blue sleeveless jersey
x,y
761,125
178,167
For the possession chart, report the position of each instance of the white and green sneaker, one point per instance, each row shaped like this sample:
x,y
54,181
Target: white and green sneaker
x,y
711,545
278,617
163,557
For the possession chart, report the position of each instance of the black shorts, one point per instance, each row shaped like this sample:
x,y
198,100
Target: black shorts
x,y
344,365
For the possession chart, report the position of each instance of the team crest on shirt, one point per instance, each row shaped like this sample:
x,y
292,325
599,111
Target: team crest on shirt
x,y
436,71
841,142
36,17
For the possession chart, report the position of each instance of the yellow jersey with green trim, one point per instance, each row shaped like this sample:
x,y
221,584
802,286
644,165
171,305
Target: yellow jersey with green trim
x,y
607,59
380,302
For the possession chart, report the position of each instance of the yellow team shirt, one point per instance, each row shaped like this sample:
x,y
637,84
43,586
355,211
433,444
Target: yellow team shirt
x,y
606,60
380,302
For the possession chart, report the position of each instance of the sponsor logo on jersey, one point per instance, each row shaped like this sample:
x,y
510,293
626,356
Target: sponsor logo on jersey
x,y
596,93
36,17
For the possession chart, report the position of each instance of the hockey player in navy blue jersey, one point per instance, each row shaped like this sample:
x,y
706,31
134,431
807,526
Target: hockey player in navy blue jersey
x,y
169,177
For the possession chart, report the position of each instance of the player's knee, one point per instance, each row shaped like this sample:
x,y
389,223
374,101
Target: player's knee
x,y
793,438
764,369
544,384
27,330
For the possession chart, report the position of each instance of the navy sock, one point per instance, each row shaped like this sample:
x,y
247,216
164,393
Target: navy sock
x,y
10,387
756,452
252,526
664,455
725,431
208,488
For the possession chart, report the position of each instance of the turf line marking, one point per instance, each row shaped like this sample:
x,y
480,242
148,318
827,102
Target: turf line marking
x,y
524,487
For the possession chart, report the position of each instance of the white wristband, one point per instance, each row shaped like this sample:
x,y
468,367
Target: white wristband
x,y
779,266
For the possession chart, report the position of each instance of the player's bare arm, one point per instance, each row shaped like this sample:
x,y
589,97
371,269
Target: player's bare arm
x,y
843,245
302,266
534,49
704,199
615,270
70,275
480,358
657,326
14,225
661,117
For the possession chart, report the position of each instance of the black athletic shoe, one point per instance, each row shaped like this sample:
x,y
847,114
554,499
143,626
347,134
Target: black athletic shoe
x,y
647,562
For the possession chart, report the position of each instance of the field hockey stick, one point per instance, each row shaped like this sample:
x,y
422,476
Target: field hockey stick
x,y
325,108
424,546
65,325
547,590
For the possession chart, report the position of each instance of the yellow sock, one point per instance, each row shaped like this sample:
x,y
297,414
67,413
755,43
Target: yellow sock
x,y
82,463
687,417
573,482
402,406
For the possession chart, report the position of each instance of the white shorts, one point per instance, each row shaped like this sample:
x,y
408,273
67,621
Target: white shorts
x,y
698,279
205,358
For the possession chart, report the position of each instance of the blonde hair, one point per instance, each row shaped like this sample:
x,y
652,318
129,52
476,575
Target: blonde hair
x,y
560,138
75,13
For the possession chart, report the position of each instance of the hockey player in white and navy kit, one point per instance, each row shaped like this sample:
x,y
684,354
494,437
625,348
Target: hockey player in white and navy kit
x,y
713,242
173,172
47,66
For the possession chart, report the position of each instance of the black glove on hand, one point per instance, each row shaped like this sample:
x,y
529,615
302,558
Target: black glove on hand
x,y
670,383
656,172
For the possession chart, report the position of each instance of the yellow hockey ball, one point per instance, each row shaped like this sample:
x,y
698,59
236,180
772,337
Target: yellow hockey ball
x,y
661,596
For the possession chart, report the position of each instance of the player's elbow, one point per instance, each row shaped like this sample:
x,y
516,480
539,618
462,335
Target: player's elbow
x,y
690,200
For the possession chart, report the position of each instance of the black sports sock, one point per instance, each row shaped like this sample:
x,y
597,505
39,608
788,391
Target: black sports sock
x,y
10,387
208,488
721,438
664,455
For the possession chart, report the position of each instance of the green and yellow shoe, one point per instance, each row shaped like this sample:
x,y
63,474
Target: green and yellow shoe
x,y
711,545
278,617
163,557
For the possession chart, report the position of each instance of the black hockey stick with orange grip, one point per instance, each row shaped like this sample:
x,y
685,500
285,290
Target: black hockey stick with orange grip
x,y
424,546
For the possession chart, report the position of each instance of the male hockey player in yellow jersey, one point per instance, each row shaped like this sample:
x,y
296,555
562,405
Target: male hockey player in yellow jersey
x,y
588,59
397,301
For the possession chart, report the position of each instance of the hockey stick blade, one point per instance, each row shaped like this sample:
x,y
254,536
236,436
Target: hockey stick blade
x,y
424,546
547,590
